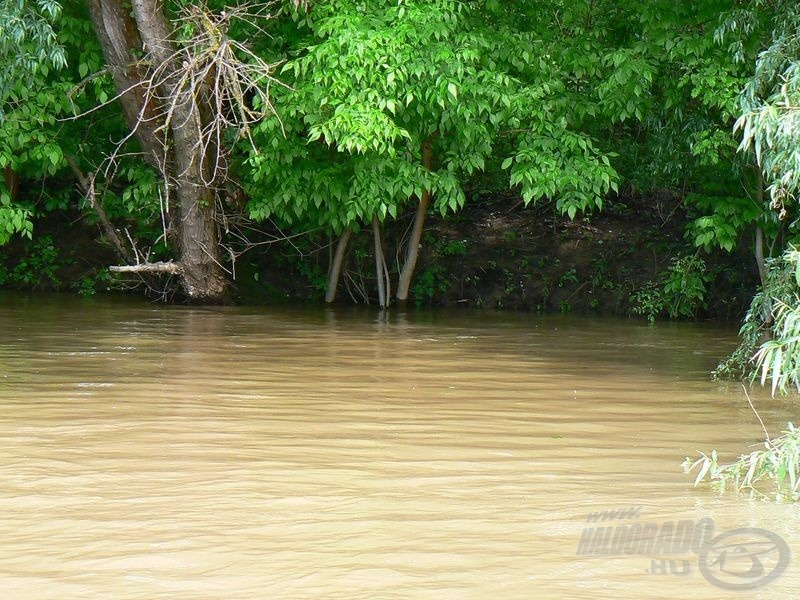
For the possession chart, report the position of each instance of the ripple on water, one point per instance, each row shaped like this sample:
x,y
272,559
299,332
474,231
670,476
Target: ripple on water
x,y
240,453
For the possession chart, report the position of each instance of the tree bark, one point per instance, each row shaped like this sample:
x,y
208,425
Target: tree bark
x,y
120,40
759,244
380,262
170,268
759,256
12,182
415,242
336,266
202,276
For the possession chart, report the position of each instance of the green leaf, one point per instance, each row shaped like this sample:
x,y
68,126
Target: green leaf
x,y
451,87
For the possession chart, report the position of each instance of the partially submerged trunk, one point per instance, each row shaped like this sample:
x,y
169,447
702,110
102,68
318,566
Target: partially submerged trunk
x,y
199,266
336,266
381,272
415,241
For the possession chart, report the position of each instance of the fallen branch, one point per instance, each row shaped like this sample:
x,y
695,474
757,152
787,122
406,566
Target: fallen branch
x,y
170,268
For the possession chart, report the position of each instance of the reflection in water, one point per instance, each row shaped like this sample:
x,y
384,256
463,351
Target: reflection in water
x,y
165,452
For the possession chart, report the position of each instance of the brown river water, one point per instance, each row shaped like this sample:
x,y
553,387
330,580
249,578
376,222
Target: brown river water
x,y
152,452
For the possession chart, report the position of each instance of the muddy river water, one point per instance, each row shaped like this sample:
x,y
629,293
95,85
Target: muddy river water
x,y
152,452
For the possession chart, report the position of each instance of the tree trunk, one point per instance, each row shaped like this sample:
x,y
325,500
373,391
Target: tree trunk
x,y
380,262
12,182
759,256
202,276
336,267
759,245
760,262
415,242
120,41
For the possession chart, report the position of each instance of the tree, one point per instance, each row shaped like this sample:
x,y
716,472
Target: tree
x,y
394,104
195,90
122,31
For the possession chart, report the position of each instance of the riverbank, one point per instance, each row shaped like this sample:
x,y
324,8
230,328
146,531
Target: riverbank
x,y
495,254
499,254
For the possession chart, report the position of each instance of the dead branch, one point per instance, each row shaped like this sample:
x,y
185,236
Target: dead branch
x,y
87,186
169,268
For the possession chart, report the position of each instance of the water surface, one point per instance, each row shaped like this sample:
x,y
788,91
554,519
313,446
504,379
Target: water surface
x,y
152,452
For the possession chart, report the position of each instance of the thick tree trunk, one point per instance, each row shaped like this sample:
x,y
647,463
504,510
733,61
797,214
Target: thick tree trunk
x,y
415,242
120,41
336,267
201,273
380,262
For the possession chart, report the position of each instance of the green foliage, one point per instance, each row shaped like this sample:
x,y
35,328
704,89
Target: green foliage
x,y
28,50
687,100
778,462
771,105
431,281
34,136
13,219
372,82
680,292
96,281
601,278
770,346
757,325
454,248
314,275
779,359
648,301
28,42
570,276
556,163
685,286
724,220
768,124
435,278
38,267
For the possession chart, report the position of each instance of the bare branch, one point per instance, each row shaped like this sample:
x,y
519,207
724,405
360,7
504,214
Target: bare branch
x,y
87,186
170,268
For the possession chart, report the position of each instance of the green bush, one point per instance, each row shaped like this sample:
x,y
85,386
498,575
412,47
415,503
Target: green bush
x,y
680,292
